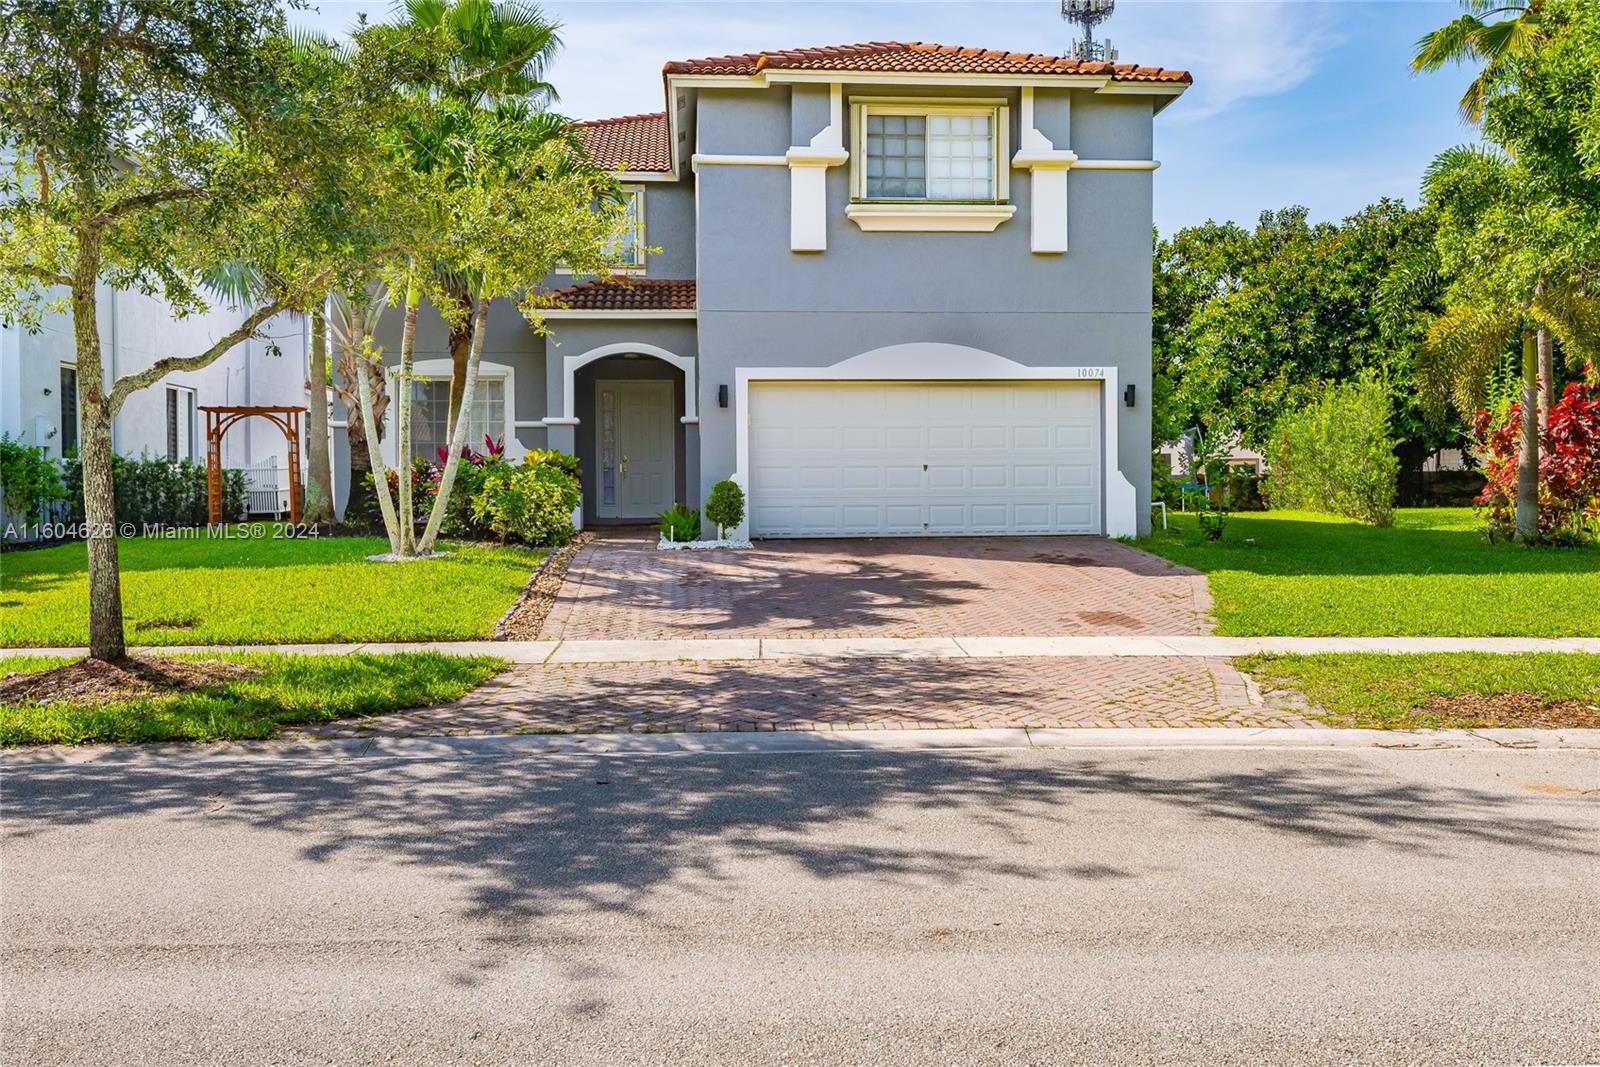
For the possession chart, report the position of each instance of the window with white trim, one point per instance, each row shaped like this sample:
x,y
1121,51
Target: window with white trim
x,y
928,153
629,248
430,415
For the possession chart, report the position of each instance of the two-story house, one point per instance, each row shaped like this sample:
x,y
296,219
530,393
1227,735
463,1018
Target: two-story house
x,y
899,289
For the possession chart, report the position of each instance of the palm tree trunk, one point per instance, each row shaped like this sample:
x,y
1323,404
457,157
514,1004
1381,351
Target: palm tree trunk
x,y
380,473
408,346
319,471
447,479
1528,461
1547,379
461,336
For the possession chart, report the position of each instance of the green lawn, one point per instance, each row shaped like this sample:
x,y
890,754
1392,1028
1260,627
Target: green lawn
x,y
290,689
1430,574
263,591
1369,690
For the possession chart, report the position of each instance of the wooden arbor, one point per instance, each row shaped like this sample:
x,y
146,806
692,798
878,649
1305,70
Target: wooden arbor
x,y
219,420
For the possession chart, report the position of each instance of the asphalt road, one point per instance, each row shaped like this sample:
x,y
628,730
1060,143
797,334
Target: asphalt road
x,y
1004,907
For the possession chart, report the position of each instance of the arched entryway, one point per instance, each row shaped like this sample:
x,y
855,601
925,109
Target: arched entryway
x,y
219,420
632,409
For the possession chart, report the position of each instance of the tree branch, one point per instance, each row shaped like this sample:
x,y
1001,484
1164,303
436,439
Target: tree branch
x,y
130,383
36,272
147,200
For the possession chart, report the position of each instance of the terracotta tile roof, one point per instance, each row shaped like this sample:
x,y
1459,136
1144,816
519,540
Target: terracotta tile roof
x,y
920,57
625,294
632,142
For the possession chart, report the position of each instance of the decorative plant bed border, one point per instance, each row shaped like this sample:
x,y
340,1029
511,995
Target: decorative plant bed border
x,y
524,619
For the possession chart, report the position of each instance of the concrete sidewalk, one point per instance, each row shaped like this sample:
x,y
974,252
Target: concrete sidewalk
x,y
776,648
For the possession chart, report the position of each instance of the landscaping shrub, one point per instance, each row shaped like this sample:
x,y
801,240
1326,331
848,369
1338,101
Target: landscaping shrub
x,y
1569,467
532,503
725,505
1212,522
1336,454
159,491
1240,490
1163,486
550,457
680,523
30,481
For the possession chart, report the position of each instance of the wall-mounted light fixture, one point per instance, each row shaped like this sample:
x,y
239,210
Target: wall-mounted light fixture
x,y
1127,395
722,396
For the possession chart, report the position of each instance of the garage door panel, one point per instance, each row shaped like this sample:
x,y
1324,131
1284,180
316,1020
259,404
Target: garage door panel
x,y
881,458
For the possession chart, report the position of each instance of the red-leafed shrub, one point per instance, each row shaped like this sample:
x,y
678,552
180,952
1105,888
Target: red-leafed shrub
x,y
1569,467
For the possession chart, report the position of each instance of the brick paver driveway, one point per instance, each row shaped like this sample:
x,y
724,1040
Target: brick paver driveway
x,y
622,588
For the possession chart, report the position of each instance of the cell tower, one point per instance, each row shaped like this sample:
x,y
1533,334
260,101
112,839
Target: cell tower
x,y
1089,14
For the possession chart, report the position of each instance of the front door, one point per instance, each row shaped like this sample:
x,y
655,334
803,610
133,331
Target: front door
x,y
634,444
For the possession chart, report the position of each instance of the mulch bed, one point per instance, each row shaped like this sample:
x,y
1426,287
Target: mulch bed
x,y
93,681
1516,709
526,617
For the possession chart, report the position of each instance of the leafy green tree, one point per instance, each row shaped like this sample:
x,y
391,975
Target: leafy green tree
x,y
1250,323
154,141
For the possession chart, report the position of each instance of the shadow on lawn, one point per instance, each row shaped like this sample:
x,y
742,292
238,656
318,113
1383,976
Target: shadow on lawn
x,y
529,839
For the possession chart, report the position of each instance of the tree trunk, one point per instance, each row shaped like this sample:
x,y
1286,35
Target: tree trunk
x,y
106,641
461,336
1547,379
408,344
369,423
319,471
447,478
1528,463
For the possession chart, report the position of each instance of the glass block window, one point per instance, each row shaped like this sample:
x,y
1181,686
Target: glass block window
x,y
897,156
940,154
430,415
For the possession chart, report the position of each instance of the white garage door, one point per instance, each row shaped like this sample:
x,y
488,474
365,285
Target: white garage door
x,y
840,459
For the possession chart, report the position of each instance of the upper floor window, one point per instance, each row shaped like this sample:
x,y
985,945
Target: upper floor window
x,y
629,248
930,152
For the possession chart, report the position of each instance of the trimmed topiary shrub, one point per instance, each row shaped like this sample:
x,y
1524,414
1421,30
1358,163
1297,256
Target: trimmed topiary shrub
x,y
1336,455
725,506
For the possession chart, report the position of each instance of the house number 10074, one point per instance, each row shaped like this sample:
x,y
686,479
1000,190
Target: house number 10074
x,y
1091,372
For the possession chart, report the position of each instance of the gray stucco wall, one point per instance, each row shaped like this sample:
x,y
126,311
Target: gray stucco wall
x,y
763,305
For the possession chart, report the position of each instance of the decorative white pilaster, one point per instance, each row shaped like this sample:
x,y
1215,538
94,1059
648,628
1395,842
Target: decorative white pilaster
x,y
1049,166
808,178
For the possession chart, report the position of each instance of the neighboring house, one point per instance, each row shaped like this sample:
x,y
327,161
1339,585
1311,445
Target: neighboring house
x,y
1180,454
39,383
900,289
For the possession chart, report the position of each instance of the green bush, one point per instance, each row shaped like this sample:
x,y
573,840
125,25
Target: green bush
x,y
532,503
30,481
1212,522
551,457
1163,486
1240,490
1336,455
680,523
725,505
157,490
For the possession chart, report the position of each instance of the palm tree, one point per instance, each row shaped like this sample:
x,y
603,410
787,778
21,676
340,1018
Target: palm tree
x,y
1473,38
1487,213
498,55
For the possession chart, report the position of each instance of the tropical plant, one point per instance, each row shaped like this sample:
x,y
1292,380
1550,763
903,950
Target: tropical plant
x,y
1336,455
679,524
725,506
1569,467
1481,36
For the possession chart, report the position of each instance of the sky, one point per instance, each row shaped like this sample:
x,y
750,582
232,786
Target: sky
x,y
1293,102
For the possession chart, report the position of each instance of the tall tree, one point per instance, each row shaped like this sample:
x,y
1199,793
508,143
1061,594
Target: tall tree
x,y
491,52
1518,264
156,139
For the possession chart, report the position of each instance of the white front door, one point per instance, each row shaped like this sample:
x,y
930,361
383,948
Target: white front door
x,y
634,447
852,459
